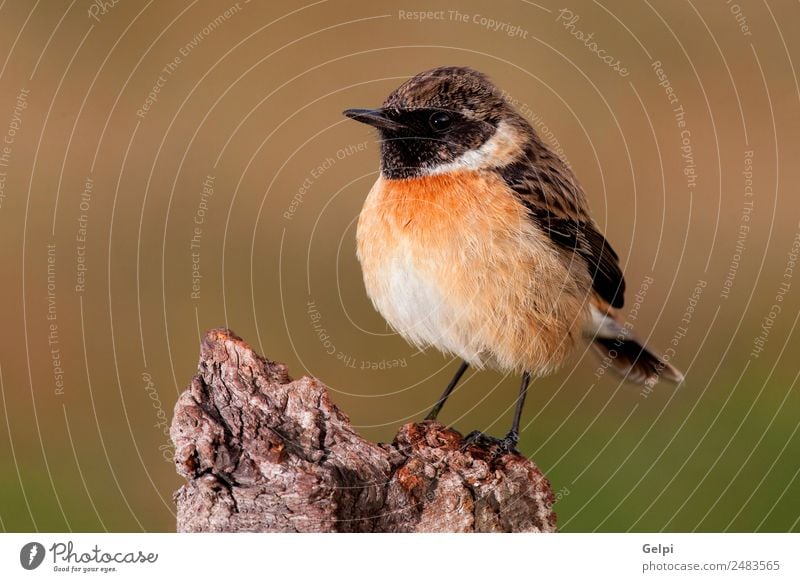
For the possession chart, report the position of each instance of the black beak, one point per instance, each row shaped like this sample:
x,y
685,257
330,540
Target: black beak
x,y
374,117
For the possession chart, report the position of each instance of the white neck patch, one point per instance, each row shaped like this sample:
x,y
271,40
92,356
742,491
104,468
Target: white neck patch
x,y
496,151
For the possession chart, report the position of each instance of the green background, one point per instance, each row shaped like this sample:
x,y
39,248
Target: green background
x,y
255,102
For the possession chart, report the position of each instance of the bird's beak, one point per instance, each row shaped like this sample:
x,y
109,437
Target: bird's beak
x,y
374,117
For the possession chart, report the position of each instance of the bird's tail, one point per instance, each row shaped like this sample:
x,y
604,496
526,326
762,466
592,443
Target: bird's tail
x,y
634,361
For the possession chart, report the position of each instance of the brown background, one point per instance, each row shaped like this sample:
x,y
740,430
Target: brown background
x,y
256,104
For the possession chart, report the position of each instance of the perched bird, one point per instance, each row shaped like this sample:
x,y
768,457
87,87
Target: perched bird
x,y
477,239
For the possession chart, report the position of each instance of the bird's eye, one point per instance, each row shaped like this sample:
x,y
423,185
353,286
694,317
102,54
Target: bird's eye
x,y
440,121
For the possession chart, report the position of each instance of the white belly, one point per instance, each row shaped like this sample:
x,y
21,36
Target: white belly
x,y
415,306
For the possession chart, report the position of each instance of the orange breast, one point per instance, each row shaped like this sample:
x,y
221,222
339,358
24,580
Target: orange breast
x,y
431,202
455,262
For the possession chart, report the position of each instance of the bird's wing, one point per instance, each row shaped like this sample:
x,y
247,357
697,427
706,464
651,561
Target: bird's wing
x,y
556,203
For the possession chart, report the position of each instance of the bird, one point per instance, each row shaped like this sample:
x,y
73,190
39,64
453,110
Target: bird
x,y
477,239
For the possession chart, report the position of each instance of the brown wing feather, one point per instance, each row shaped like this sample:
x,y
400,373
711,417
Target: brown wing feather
x,y
547,187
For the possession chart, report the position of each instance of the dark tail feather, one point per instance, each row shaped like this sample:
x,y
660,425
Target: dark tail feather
x,y
635,362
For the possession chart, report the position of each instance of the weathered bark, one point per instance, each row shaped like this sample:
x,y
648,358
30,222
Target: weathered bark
x,y
261,452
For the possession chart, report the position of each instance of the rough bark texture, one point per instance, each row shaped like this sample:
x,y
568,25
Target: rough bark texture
x,y
261,452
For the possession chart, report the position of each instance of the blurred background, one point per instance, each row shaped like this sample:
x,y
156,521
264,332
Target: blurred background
x,y
166,168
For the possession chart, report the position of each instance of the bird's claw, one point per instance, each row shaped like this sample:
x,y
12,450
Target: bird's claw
x,y
494,446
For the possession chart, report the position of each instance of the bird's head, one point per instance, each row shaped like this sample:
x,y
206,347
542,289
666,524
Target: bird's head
x,y
442,120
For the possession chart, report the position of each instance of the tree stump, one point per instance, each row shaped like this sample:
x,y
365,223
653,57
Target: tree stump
x,y
261,452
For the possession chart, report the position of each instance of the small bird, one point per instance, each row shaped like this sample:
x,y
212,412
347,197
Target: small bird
x,y
477,239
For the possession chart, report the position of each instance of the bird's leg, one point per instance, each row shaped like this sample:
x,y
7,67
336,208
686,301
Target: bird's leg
x,y
512,438
447,391
509,443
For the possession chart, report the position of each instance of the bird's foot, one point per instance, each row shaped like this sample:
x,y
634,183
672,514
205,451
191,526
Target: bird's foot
x,y
494,446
